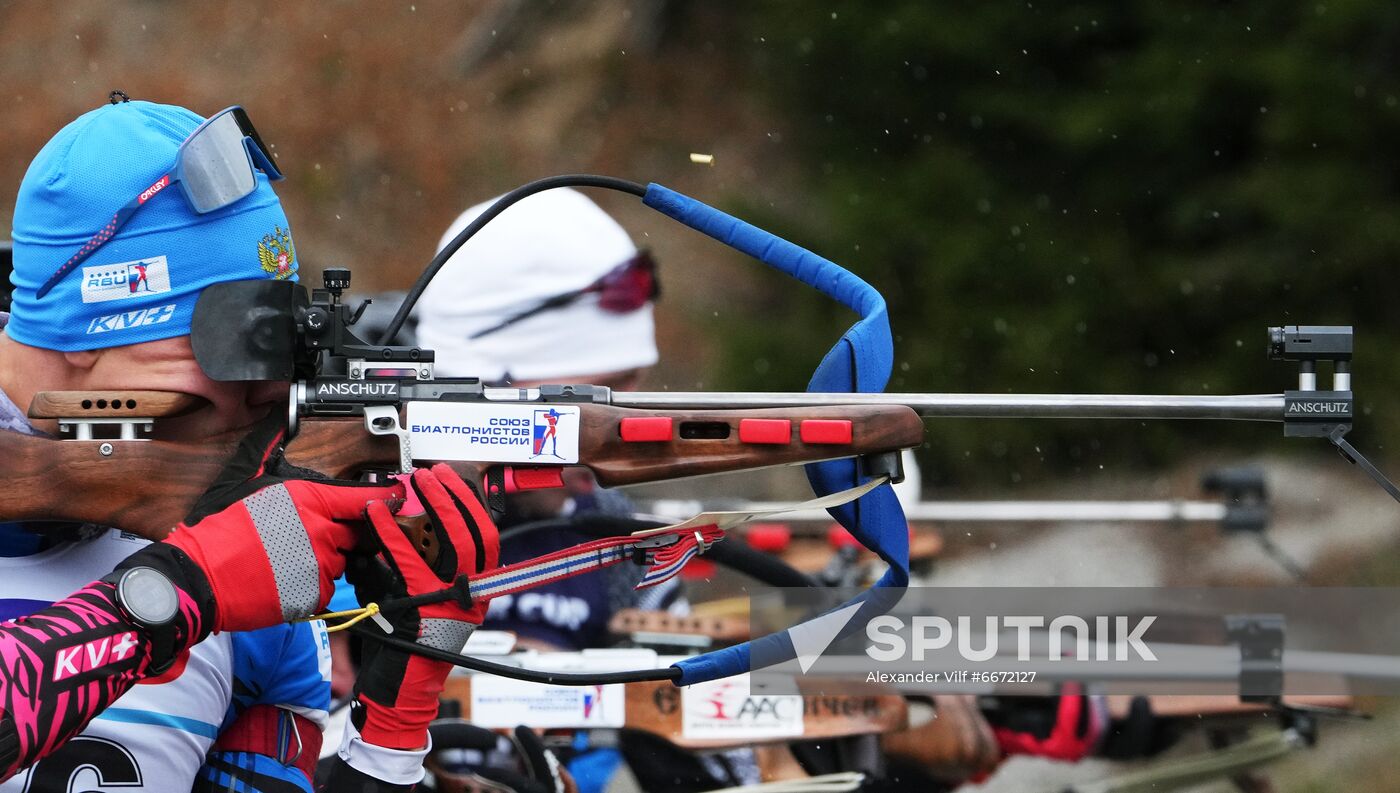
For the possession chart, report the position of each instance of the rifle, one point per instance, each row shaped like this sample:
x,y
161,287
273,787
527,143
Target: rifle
x,y
344,425
112,476
268,330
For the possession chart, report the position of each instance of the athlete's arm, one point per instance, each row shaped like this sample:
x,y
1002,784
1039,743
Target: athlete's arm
x,y
262,551
67,663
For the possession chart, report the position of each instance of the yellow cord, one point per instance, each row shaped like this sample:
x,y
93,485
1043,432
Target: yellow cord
x,y
355,615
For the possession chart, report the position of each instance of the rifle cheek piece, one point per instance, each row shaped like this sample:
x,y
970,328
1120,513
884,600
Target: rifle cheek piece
x,y
247,330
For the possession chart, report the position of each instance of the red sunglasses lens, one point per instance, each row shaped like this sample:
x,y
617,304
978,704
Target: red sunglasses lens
x,y
627,288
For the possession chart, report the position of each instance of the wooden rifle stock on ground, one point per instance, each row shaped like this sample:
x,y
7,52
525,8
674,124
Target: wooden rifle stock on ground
x,y
658,625
147,486
1194,706
829,709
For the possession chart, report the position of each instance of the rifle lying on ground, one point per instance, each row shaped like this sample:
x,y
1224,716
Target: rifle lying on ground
x,y
710,718
1222,705
644,627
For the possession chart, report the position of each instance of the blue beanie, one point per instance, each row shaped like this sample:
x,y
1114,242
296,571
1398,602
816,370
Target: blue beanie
x,y
141,285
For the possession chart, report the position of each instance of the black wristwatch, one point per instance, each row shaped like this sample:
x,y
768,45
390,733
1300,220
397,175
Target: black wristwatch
x,y
150,600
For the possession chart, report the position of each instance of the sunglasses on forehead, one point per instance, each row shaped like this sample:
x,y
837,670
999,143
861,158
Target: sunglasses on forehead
x,y
621,290
215,166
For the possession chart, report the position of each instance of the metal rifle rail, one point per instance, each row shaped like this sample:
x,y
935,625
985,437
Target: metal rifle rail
x,y
1164,511
1175,663
1244,407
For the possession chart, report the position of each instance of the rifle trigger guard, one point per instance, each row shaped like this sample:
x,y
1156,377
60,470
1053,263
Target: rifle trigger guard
x,y
384,420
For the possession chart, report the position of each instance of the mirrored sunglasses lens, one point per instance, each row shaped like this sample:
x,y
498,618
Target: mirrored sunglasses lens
x,y
262,155
627,290
216,167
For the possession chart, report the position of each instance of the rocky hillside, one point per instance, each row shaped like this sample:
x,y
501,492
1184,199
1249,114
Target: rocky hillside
x,y
390,118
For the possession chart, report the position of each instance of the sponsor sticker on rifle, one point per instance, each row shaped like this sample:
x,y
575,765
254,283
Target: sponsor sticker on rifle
x,y
502,702
726,709
513,433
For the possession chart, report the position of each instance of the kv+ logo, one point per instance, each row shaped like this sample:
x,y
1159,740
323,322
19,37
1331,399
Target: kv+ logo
x,y
132,319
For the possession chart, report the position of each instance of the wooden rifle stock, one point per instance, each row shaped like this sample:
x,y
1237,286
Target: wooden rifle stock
x,y
716,441
340,447
144,487
147,486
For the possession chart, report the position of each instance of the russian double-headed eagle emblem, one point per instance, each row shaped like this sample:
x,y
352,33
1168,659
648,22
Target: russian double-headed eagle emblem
x,y
278,257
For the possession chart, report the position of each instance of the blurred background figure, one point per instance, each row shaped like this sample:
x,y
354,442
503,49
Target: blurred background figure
x,y
551,291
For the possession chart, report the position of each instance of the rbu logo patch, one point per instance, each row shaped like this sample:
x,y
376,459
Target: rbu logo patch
x,y
126,280
132,319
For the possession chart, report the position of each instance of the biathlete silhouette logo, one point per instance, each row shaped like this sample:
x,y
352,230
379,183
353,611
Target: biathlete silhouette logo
x,y
136,278
546,430
591,701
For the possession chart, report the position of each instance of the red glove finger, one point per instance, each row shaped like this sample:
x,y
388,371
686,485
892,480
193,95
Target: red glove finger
x,y
274,555
468,542
1079,725
457,506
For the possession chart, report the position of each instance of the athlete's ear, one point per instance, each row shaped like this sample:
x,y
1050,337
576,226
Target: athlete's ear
x,y
82,359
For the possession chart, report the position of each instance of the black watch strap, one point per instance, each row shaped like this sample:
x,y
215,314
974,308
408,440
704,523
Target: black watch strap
x,y
155,618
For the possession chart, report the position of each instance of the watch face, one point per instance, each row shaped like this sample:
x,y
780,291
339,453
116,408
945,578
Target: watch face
x,y
148,596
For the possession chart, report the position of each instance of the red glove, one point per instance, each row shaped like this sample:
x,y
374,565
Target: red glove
x,y
1080,722
396,692
270,547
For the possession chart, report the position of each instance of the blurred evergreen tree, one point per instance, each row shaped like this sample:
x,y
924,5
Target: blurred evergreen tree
x,y
1113,196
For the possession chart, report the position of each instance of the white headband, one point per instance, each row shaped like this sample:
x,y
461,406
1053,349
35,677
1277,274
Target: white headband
x,y
545,245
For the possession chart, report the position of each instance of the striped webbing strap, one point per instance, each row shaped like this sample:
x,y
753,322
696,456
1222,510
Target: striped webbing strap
x,y
665,552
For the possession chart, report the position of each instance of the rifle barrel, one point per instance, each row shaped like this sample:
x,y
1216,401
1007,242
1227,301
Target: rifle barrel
x,y
1242,407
